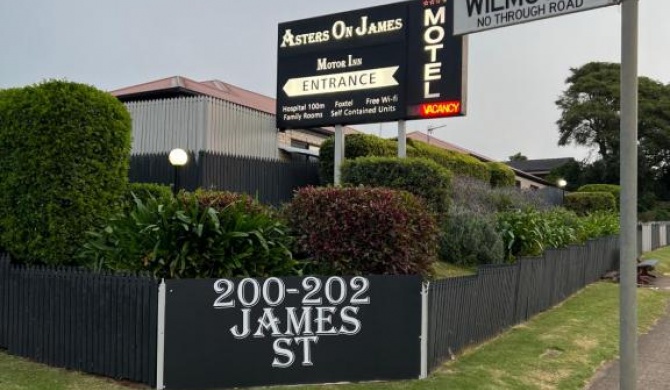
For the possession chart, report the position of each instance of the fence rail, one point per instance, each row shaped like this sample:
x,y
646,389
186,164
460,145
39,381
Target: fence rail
x,y
72,318
468,310
272,181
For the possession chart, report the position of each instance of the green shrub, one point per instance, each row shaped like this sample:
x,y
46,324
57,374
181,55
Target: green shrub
x,y
470,239
501,175
356,145
459,164
360,231
181,238
611,188
598,224
422,177
64,153
587,202
219,200
523,232
145,191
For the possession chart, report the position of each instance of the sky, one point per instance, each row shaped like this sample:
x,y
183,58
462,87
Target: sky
x,y
515,74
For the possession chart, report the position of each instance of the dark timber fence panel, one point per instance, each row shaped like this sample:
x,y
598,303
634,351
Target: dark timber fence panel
x,y
468,310
72,318
272,181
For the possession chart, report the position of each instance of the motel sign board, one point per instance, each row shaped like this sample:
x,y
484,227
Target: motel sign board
x,y
386,63
478,15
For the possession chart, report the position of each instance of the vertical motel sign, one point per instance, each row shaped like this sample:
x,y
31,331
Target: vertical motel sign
x,y
394,62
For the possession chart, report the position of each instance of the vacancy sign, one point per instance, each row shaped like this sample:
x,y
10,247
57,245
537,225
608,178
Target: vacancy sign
x,y
478,15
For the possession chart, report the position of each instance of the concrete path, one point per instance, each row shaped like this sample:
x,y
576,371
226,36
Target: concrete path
x,y
653,357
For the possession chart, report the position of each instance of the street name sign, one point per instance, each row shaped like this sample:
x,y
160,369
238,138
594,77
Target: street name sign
x,y
472,16
379,64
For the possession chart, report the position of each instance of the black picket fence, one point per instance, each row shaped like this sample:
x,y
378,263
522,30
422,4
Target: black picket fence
x,y
73,318
465,311
272,181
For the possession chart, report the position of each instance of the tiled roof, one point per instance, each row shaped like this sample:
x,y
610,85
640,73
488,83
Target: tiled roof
x,y
418,136
179,86
544,165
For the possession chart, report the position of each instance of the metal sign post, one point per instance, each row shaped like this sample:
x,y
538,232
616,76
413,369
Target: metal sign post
x,y
627,263
402,139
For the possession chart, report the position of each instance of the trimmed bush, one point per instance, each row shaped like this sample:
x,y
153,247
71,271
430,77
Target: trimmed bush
x,y
501,175
611,188
64,153
587,202
219,200
470,239
362,231
459,164
356,145
181,238
422,177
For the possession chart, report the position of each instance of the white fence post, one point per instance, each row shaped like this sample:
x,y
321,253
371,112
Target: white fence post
x,y
424,330
160,347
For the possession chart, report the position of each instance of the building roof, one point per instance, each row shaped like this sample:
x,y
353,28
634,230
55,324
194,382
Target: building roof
x,y
540,166
179,86
422,137
425,138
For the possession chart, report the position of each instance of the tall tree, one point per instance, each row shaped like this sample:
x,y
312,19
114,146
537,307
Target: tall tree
x,y
518,157
590,116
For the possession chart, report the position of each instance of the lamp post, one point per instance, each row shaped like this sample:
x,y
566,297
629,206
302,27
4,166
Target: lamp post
x,y
561,184
178,158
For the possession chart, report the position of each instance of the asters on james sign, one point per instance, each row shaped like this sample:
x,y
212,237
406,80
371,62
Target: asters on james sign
x,y
253,332
392,62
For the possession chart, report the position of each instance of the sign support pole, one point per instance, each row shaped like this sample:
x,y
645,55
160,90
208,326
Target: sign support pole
x,y
339,154
627,263
402,139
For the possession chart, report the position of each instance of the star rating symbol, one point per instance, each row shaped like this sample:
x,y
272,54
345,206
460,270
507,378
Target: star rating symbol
x,y
429,3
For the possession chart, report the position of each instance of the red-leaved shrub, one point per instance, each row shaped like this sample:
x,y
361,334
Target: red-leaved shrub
x,y
363,231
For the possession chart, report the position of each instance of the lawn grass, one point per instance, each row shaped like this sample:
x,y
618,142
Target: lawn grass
x,y
447,270
21,374
663,257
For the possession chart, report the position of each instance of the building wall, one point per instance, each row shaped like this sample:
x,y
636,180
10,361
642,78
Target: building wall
x,y
202,124
524,183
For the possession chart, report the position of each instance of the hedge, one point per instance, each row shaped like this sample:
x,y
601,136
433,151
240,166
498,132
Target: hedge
x,y
587,202
468,238
459,164
356,145
145,191
501,175
611,188
65,150
361,231
422,177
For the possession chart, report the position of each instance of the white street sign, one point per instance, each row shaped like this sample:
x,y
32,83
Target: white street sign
x,y
342,82
478,15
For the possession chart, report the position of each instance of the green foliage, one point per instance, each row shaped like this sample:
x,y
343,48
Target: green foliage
x,y
181,238
219,200
459,164
356,145
470,239
64,153
590,116
360,231
611,188
501,175
422,177
364,145
587,202
530,232
145,191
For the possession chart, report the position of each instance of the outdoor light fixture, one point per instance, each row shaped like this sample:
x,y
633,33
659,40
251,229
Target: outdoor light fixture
x,y
178,158
561,184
